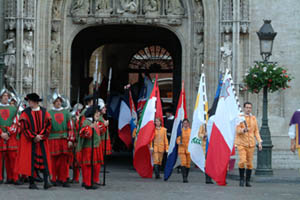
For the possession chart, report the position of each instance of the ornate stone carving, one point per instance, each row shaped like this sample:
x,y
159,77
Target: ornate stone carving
x,y
10,14
226,51
152,8
28,54
128,6
56,9
103,7
10,8
29,8
10,58
244,16
80,7
29,24
199,11
227,16
55,59
244,10
199,50
174,7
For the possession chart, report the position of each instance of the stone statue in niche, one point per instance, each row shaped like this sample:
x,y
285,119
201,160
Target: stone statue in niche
x,y
128,6
103,7
10,57
80,7
28,50
199,10
174,7
28,54
56,13
55,56
152,7
199,50
226,51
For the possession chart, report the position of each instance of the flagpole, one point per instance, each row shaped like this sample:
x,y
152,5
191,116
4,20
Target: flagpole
x,y
107,96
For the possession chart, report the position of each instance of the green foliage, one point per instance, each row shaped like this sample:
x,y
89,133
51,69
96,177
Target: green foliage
x,y
267,75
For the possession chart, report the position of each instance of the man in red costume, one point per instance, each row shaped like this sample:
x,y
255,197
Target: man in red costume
x,y
61,139
34,153
8,140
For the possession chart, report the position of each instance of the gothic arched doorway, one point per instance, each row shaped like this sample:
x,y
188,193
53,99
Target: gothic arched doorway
x,y
116,47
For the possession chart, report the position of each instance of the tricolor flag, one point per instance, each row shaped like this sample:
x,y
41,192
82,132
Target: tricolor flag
x,y
144,93
142,160
199,119
124,124
223,133
159,112
180,115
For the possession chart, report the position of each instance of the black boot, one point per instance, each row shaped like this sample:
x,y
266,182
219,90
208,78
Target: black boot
x,y
248,176
242,177
187,170
156,170
47,185
208,179
32,185
184,171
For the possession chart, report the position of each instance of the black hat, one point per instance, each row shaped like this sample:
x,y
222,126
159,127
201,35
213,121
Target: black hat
x,y
33,97
88,98
91,111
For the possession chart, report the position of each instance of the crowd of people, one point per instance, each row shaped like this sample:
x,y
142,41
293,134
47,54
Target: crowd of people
x,y
50,142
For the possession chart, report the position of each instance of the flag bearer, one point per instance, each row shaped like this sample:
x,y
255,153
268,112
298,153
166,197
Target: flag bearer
x,y
246,132
159,145
184,154
91,154
61,139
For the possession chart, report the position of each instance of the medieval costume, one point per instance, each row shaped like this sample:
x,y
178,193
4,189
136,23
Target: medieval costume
x,y
159,145
294,131
8,146
90,148
184,154
246,132
34,152
60,136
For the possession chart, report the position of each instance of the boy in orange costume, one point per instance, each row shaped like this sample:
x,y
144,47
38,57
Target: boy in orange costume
x,y
159,145
184,154
245,142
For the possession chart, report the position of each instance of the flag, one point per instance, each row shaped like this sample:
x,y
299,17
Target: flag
x,y
144,93
159,112
124,122
142,160
223,133
133,121
199,119
212,110
180,115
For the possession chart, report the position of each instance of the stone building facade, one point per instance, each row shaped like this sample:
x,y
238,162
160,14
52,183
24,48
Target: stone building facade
x,y
50,43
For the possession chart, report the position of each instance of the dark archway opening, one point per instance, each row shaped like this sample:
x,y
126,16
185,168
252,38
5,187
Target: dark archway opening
x,y
119,44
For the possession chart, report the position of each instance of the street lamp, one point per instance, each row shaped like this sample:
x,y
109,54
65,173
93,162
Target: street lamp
x,y
266,37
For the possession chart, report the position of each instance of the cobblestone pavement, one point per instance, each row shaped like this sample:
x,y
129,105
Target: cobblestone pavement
x,y
124,183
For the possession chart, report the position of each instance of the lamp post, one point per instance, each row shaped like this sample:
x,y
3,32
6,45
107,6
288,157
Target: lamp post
x,y
266,37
